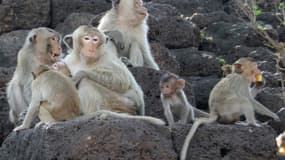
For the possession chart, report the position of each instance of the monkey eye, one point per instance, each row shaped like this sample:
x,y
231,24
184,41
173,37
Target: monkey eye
x,y
86,38
54,38
96,39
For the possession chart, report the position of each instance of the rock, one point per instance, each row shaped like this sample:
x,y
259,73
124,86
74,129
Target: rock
x,y
62,8
271,79
271,98
148,79
188,8
223,37
205,19
223,142
196,63
5,125
174,32
157,9
164,58
73,21
24,14
279,127
202,87
10,44
97,137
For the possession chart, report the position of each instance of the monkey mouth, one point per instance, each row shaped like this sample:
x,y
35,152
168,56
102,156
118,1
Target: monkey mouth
x,y
54,55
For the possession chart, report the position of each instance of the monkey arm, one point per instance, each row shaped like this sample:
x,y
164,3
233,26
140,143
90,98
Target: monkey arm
x,y
167,111
258,107
188,108
117,38
117,83
148,58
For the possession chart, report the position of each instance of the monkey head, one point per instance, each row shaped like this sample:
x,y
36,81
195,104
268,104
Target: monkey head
x,y
45,43
227,69
170,83
62,68
280,141
248,68
133,9
87,42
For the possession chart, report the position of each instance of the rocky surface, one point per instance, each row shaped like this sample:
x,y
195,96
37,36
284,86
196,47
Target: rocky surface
x,y
191,38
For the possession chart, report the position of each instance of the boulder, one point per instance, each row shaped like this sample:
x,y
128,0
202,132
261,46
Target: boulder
x,y
197,63
10,44
96,136
223,142
24,14
60,9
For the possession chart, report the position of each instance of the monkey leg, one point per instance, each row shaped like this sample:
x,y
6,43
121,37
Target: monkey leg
x,y
94,97
136,55
44,115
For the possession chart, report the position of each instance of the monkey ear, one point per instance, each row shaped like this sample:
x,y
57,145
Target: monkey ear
x,y
238,68
33,38
180,83
115,3
67,40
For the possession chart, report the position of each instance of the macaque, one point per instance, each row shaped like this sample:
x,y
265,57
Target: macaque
x,y
231,98
103,81
227,69
62,68
42,46
280,141
174,100
129,17
54,97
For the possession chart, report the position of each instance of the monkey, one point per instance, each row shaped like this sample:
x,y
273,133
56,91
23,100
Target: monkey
x,y
280,141
54,97
174,100
129,17
231,98
62,68
227,69
42,46
103,81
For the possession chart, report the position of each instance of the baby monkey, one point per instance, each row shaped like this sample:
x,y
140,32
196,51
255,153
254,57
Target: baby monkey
x,y
174,100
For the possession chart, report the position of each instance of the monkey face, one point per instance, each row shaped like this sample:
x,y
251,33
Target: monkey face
x,y
54,48
140,10
90,43
167,88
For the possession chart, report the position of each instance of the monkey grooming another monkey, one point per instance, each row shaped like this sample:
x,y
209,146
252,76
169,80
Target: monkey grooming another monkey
x,y
129,17
231,98
104,82
42,46
174,100
54,97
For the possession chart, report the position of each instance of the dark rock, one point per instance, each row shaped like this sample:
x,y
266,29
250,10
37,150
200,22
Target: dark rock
x,y
202,87
271,79
157,9
164,58
10,44
279,127
24,14
205,19
148,79
271,98
62,8
73,21
269,18
174,32
226,36
196,63
5,125
97,137
224,142
188,7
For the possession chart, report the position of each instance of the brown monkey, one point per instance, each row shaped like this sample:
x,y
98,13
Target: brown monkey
x,y
280,141
54,97
174,100
231,98
129,17
104,82
42,46
62,68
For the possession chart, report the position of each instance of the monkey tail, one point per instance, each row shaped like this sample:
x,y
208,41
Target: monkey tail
x,y
191,133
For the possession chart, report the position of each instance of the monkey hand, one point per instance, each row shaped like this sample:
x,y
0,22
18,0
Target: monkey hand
x,y
21,127
126,61
78,77
117,38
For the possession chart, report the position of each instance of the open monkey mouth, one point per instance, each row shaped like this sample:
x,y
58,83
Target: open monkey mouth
x,y
54,55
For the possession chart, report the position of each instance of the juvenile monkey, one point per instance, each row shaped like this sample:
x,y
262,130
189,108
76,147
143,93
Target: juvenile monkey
x,y
231,98
42,46
54,97
104,82
280,141
129,17
62,68
174,100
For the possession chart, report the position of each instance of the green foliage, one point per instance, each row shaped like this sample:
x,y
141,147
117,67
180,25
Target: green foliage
x,y
221,60
281,5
